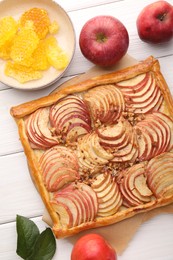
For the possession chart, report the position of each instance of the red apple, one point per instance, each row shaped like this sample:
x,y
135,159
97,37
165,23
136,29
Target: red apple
x,y
92,246
155,22
104,40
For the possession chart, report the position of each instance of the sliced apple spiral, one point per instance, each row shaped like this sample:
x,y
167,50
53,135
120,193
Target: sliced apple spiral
x,y
160,175
70,118
108,194
59,167
39,131
141,94
105,103
133,185
120,140
154,135
91,155
79,203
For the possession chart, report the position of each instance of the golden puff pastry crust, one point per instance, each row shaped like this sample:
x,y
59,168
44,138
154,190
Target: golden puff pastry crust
x,y
96,150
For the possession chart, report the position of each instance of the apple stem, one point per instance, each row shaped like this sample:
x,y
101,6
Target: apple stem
x,y
161,16
101,37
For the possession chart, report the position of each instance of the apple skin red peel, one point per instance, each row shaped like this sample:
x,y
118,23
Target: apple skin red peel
x,y
104,40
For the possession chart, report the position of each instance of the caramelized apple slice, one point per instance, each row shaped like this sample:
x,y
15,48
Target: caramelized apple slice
x,y
70,117
169,122
39,131
134,187
106,104
92,156
154,135
81,201
64,213
108,194
59,166
160,174
141,94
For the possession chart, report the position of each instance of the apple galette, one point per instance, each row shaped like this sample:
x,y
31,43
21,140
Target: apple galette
x,y
101,151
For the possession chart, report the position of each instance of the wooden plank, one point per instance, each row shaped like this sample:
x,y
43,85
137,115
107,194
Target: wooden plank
x,y
18,194
69,5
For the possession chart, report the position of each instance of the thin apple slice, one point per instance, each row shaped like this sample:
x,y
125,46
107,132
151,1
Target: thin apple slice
x,y
115,137
91,152
64,213
111,210
85,166
160,173
129,152
156,174
133,85
59,179
87,148
128,201
59,166
141,93
159,104
99,180
167,192
95,142
133,186
109,198
161,125
70,114
68,201
57,151
59,155
112,132
104,180
169,122
140,183
81,201
64,103
39,131
144,141
153,126
90,198
150,104
107,193
93,198
165,182
106,104
71,191
139,90
151,140
108,205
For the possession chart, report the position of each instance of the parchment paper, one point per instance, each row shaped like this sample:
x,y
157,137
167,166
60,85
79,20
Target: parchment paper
x,y
119,234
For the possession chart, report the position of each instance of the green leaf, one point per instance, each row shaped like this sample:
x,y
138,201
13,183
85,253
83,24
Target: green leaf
x,y
28,233
45,246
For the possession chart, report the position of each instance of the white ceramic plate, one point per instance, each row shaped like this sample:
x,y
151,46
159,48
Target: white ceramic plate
x,y
65,37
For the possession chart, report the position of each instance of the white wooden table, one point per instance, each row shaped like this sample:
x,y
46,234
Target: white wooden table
x,y
154,239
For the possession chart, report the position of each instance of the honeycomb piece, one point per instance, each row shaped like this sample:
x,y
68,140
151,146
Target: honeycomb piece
x,y
25,42
21,73
58,60
40,19
55,55
5,50
54,27
40,58
8,29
